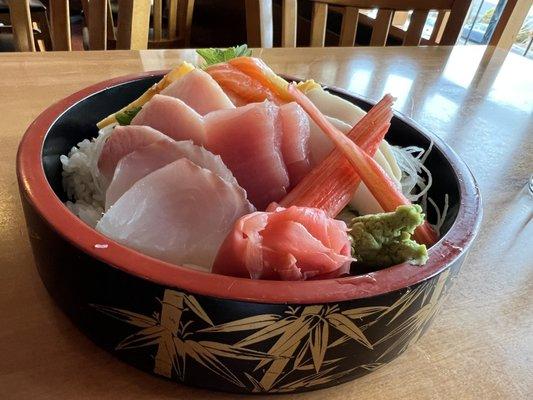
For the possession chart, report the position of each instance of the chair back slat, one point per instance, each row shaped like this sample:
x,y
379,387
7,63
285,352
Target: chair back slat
x,y
451,15
172,19
259,23
133,24
349,26
97,24
186,8
288,24
318,24
382,24
19,14
60,25
158,19
416,26
457,16
111,34
396,5
438,28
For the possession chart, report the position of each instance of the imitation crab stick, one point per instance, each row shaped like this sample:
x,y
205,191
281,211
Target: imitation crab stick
x,y
331,184
377,181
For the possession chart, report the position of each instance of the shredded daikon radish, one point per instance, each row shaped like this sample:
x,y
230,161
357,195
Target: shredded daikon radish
x,y
416,177
441,216
417,180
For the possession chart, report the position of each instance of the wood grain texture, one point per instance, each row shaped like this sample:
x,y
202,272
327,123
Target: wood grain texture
x,y
380,30
60,24
259,23
510,22
133,24
479,346
19,14
438,28
97,24
394,4
158,19
318,24
349,26
416,25
186,9
289,23
455,21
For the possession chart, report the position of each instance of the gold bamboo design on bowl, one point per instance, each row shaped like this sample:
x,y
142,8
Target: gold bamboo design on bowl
x,y
303,337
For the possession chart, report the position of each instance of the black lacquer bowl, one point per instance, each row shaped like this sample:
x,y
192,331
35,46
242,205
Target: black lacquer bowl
x,y
220,332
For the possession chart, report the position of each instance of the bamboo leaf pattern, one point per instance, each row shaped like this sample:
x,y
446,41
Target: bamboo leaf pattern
x,y
139,320
301,335
301,354
147,337
204,357
245,324
320,344
362,312
229,351
346,326
196,308
270,331
257,386
309,367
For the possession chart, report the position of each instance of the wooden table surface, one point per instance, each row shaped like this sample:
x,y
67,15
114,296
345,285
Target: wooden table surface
x,y
479,347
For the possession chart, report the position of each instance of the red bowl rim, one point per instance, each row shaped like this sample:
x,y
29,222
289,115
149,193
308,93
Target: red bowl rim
x,y
38,192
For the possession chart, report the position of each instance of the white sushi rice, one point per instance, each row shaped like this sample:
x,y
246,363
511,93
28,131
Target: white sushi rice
x,y
82,181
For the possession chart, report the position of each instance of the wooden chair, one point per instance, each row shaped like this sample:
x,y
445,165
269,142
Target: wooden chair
x,y
23,16
451,15
133,24
172,28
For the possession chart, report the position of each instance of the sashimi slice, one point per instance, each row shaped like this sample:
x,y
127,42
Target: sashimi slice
x,y
180,213
296,243
241,88
199,91
147,159
295,141
172,117
122,141
248,139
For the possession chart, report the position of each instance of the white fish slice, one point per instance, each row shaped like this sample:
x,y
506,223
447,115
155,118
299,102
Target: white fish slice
x,y
180,213
147,159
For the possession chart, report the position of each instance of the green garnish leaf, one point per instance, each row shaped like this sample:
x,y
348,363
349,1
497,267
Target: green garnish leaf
x,y
125,117
215,56
384,239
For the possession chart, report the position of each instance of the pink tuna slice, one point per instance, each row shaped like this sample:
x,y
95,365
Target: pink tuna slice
x,y
201,92
172,117
122,141
294,243
180,213
248,140
147,159
295,141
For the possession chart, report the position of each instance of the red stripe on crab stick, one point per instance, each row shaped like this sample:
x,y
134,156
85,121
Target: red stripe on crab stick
x,y
377,181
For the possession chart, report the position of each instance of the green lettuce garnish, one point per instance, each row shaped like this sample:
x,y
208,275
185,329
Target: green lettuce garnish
x,y
125,117
384,239
216,56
